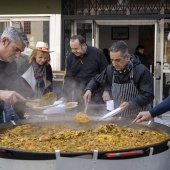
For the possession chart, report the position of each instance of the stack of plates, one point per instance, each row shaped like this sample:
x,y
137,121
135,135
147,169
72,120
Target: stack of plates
x,y
55,109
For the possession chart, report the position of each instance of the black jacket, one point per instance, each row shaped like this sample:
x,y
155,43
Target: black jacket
x,y
9,80
141,77
79,71
143,59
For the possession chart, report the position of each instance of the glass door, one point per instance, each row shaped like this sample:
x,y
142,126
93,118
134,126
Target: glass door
x,y
71,28
95,35
166,60
3,25
43,27
158,61
36,29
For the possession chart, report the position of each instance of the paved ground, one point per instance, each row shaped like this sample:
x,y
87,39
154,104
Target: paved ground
x,y
166,121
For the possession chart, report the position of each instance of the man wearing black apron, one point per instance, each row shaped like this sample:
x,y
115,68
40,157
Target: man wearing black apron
x,y
127,80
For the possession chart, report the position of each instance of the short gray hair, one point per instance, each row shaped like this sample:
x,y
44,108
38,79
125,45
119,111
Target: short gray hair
x,y
13,34
120,46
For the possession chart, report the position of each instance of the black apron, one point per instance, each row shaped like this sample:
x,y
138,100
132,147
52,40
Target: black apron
x,y
124,93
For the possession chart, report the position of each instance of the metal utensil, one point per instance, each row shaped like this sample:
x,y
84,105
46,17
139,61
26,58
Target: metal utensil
x,y
31,100
26,100
128,125
149,122
86,106
133,122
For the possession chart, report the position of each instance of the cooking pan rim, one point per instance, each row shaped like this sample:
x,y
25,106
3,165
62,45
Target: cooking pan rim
x,y
52,154
88,152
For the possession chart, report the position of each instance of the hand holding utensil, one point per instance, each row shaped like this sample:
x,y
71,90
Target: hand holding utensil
x,y
112,113
133,123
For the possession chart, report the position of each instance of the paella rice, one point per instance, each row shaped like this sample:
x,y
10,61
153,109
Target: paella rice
x,y
48,138
82,117
47,99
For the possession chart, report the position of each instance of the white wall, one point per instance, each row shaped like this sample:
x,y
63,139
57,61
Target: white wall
x,y
105,40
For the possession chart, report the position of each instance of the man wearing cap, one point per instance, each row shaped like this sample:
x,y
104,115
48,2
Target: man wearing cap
x,y
13,42
36,72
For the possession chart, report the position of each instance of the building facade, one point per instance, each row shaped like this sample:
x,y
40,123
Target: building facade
x,y
101,22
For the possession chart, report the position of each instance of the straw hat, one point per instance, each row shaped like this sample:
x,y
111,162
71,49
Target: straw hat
x,y
41,46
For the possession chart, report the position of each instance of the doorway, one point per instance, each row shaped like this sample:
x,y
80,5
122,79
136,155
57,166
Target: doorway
x,y
42,27
148,33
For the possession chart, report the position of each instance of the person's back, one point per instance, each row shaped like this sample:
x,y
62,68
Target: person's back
x,y
83,63
139,51
106,53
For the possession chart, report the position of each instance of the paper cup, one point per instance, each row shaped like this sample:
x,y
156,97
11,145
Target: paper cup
x,y
110,105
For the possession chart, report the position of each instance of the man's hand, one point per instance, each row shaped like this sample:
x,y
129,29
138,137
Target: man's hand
x,y
106,96
30,104
87,96
10,96
124,106
143,116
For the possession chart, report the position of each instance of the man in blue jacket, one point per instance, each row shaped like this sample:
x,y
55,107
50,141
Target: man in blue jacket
x,y
161,108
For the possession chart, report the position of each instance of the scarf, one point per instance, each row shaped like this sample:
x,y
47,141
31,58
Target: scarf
x,y
39,72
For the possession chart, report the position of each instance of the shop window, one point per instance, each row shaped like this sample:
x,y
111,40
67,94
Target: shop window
x,y
27,27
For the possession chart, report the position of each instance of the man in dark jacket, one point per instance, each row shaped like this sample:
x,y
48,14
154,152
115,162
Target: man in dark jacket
x,y
13,42
139,51
82,64
129,82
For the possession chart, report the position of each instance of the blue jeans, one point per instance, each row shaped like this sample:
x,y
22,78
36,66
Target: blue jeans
x,y
8,113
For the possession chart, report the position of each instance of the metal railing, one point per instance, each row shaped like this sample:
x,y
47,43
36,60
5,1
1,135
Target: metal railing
x,y
115,7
